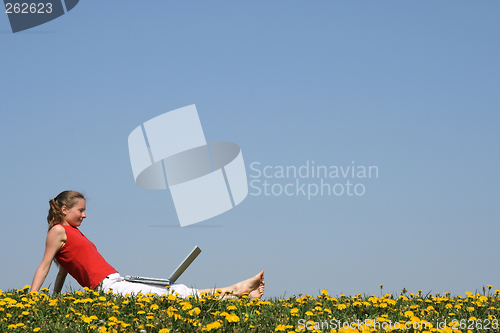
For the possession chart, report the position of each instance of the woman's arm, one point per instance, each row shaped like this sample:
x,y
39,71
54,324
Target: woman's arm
x,y
55,240
61,276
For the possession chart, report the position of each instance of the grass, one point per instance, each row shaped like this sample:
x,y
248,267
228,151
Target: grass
x,y
96,311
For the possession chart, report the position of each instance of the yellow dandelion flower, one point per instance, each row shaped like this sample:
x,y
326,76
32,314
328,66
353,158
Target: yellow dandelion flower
x,y
186,305
280,328
232,318
86,319
346,330
214,325
164,330
195,311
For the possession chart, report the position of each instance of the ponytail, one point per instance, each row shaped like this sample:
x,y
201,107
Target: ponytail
x,y
66,198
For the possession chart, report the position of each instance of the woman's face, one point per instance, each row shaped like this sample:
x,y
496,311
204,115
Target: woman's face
x,y
76,214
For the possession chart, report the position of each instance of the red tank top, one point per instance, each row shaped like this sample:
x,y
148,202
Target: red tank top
x,y
79,257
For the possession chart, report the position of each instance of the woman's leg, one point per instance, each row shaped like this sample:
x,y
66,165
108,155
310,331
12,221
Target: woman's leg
x,y
120,286
254,286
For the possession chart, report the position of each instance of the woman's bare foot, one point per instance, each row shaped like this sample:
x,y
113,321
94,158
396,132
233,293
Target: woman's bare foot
x,y
259,292
254,286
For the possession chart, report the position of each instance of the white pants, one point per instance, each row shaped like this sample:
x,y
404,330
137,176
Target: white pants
x,y
121,286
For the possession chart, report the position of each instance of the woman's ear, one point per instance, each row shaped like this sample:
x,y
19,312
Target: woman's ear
x,y
64,210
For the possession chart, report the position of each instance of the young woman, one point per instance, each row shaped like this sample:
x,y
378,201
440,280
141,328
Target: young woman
x,y
79,257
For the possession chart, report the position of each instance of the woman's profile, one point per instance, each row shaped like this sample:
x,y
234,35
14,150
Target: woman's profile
x,y
78,256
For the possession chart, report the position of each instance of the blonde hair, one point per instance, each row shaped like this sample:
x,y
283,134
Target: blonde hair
x,y
66,198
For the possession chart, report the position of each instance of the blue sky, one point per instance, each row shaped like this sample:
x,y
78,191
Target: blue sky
x,y
408,86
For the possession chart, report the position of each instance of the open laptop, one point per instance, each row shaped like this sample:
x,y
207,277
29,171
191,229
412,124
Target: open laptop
x,y
173,277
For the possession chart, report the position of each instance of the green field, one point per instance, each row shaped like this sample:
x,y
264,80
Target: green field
x,y
92,311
